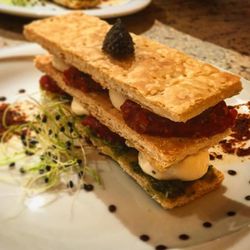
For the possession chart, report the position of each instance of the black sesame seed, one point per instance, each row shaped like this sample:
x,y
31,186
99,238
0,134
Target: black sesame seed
x,y
46,179
70,124
144,237
231,213
50,132
62,129
22,91
71,184
44,120
112,208
79,161
22,170
3,98
88,187
41,171
29,153
247,197
48,168
161,247
231,172
58,117
207,224
12,164
184,237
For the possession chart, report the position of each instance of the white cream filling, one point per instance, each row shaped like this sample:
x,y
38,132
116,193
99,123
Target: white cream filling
x,y
116,99
191,168
77,108
59,64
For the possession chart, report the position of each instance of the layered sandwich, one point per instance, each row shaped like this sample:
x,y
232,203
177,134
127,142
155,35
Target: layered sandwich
x,y
153,109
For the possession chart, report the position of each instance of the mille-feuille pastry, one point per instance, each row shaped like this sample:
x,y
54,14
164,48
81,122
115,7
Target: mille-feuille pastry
x,y
167,107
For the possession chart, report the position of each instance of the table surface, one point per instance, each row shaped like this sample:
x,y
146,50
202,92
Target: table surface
x,y
215,31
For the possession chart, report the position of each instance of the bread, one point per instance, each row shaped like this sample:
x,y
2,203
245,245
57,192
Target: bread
x,y
166,151
161,79
78,4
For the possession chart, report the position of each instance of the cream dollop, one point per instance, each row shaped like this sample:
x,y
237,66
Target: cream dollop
x,y
116,99
77,108
191,168
59,64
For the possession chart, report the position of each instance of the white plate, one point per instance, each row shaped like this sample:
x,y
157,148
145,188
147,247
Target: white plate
x,y
82,221
105,10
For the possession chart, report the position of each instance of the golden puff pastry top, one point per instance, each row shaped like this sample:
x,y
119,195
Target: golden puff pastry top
x,y
161,79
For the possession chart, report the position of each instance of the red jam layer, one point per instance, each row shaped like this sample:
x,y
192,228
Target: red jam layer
x,y
79,80
48,84
212,121
101,130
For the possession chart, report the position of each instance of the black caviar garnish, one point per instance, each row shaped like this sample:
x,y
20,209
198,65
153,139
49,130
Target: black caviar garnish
x,y
232,172
118,42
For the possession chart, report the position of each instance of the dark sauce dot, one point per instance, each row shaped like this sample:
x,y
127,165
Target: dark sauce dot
x,y
207,224
112,208
184,237
231,213
247,198
88,187
144,237
21,91
12,164
161,247
231,172
3,98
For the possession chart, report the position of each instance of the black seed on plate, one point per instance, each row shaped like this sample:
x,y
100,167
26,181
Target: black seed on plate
x,y
79,161
12,164
70,124
88,187
80,174
58,117
48,168
231,213
161,247
46,179
247,197
144,237
112,208
62,129
207,224
22,170
44,120
41,171
22,91
231,172
184,237
71,184
3,98
29,153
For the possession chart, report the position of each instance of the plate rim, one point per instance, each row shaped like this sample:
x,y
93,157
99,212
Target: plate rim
x,y
129,7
